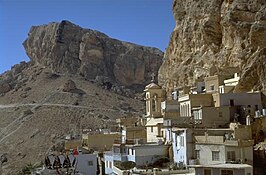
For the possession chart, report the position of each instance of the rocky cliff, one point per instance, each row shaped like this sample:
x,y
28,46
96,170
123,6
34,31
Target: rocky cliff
x,y
67,48
216,37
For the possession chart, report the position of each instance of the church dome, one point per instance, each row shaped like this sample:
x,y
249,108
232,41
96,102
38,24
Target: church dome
x,y
152,86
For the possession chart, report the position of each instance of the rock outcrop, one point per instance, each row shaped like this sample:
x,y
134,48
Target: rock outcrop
x,y
4,87
217,37
67,48
69,86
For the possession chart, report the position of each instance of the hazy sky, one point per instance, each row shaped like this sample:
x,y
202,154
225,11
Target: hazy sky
x,y
144,22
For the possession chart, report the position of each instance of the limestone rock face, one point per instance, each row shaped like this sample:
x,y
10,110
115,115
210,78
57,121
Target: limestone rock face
x,y
4,87
67,48
216,36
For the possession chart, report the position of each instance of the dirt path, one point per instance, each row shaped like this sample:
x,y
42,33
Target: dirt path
x,y
16,124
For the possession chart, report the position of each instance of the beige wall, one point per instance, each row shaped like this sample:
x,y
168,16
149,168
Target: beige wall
x,y
187,102
73,144
153,136
100,141
201,100
206,153
127,121
152,133
136,133
210,139
241,153
215,81
213,117
226,89
240,99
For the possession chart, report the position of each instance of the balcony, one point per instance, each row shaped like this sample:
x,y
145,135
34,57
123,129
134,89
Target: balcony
x,y
130,141
193,162
239,142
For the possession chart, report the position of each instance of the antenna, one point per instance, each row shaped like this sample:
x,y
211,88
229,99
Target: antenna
x,y
153,77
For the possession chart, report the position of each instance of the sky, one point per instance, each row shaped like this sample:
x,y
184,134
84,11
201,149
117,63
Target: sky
x,y
144,22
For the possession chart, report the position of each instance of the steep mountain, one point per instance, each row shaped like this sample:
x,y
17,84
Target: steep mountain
x,y
66,47
217,37
76,78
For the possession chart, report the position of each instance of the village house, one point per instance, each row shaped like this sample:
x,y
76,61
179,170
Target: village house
x,y
79,161
242,104
212,83
189,101
199,87
141,154
98,140
170,109
212,117
182,146
132,128
219,146
229,84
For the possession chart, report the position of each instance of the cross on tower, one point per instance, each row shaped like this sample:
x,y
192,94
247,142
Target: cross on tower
x,y
153,77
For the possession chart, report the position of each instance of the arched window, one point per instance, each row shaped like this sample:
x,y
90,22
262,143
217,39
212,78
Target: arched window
x,y
153,105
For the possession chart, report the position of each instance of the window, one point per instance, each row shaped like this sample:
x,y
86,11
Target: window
x,y
215,156
231,155
232,103
123,150
202,88
227,172
153,105
207,172
90,163
176,140
220,114
197,153
182,141
212,87
130,151
110,165
256,107
152,129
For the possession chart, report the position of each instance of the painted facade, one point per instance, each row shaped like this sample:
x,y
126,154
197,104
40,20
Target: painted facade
x,y
218,146
182,144
142,155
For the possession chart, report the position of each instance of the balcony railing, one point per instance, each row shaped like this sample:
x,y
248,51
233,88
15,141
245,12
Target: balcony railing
x,y
130,141
193,162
